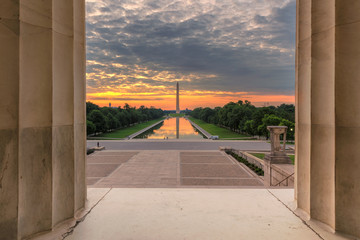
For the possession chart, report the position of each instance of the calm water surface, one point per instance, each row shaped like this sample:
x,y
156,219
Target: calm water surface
x,y
172,128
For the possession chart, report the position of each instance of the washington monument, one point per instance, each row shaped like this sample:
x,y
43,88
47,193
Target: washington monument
x,y
177,98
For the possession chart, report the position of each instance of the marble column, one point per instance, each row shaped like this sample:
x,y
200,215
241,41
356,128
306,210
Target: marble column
x,y
42,157
328,56
302,99
347,117
322,168
9,117
79,104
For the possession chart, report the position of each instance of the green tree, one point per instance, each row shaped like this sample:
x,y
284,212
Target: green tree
x,y
206,114
112,122
290,130
90,107
244,117
268,120
258,115
196,112
90,127
286,111
249,127
119,117
98,118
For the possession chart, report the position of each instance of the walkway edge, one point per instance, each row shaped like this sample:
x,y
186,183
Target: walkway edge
x,y
143,130
205,133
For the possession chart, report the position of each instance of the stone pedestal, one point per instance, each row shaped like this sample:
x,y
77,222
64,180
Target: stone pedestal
x,y
277,154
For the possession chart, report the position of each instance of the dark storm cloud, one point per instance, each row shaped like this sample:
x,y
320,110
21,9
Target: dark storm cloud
x,y
247,45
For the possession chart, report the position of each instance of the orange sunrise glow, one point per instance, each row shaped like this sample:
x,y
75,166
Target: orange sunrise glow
x,y
188,99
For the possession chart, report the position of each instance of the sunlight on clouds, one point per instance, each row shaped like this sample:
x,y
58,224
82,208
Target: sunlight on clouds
x,y
130,76
219,51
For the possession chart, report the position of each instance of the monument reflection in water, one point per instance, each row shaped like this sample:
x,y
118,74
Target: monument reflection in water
x,y
173,128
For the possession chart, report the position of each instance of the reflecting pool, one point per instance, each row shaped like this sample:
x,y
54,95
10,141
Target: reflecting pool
x,y
172,128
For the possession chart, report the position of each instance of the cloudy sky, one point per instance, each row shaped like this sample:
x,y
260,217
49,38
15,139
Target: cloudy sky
x,y
218,50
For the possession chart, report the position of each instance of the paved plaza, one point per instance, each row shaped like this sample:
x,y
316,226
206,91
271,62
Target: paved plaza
x,y
147,190
167,168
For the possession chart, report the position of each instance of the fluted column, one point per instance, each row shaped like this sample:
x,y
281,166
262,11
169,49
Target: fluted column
x,y
79,104
322,168
327,166
9,117
35,117
303,104
63,111
42,156
347,105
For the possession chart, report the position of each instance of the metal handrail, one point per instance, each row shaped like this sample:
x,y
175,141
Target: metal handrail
x,y
278,184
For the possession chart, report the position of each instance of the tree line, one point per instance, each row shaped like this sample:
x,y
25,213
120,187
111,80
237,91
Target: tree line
x,y
105,119
243,117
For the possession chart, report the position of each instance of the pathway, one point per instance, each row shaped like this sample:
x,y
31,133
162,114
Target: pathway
x,y
205,133
171,168
177,194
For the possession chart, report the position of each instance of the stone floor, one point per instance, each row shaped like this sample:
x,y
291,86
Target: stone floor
x,y
193,213
169,168
177,194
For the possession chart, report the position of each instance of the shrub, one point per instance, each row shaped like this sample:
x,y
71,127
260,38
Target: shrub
x,y
89,151
253,167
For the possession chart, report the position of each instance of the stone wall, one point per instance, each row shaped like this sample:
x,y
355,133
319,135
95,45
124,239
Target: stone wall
x,y
282,175
274,173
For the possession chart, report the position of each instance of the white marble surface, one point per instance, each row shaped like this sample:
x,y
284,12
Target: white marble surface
x,y
192,214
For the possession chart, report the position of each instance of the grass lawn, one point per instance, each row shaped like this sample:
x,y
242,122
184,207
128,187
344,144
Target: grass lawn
x,y
177,114
262,155
124,132
292,157
258,155
215,130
